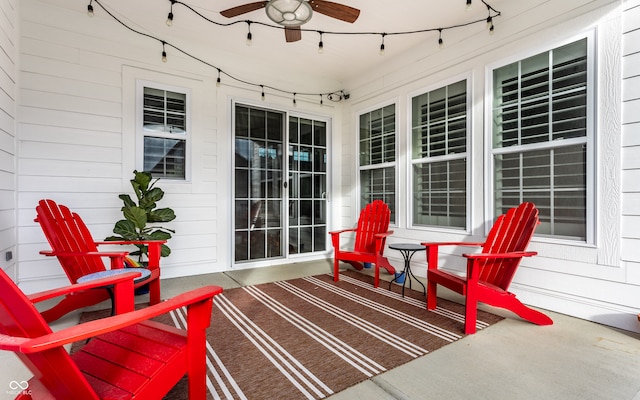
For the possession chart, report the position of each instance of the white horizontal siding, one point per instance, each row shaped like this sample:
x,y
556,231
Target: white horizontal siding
x,y
8,77
631,140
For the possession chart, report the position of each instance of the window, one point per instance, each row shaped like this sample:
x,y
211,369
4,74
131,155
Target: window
x,y
439,156
378,157
541,138
164,133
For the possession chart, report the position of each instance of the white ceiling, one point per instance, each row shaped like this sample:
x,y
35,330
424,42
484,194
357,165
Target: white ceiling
x,y
345,56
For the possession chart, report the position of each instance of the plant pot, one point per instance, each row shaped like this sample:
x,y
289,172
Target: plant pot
x,y
399,277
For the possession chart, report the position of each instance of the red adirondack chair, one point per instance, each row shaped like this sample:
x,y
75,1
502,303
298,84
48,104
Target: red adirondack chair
x,y
489,273
371,236
72,243
128,357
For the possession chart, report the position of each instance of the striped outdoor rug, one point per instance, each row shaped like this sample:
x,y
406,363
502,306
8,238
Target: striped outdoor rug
x,y
309,338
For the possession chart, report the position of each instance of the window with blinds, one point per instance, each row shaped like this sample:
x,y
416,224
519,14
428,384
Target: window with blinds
x,y
165,133
540,138
378,157
439,156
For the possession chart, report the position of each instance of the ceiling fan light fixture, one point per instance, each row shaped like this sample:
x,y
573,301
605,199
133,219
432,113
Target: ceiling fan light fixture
x,y
289,12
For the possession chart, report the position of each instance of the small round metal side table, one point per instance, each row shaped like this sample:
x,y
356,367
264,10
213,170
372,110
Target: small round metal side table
x,y
407,250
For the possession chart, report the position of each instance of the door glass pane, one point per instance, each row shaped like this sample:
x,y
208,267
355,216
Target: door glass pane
x,y
307,185
258,183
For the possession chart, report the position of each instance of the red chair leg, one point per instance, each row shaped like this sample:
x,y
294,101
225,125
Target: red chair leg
x,y
432,295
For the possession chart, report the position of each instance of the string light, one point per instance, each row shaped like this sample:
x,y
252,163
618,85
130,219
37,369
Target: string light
x,y
321,102
249,36
334,96
262,97
320,45
440,41
294,100
492,12
468,4
170,16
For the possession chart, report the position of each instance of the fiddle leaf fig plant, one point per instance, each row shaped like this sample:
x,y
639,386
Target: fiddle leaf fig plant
x,y
140,217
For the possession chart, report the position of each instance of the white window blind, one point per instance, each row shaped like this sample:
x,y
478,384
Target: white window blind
x,y
540,138
439,156
377,145
165,131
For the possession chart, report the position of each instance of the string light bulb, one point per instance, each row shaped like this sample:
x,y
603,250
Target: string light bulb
x,y
249,35
90,9
468,4
320,45
440,41
295,104
164,53
170,16
218,81
321,102
262,96
382,44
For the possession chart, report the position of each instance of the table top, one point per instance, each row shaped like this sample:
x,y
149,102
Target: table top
x,y
115,272
407,246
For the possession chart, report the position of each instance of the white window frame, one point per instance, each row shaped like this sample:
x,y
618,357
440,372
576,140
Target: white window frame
x,y
590,140
394,164
466,155
141,133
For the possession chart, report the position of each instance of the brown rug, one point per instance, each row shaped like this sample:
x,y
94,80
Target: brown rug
x,y
310,337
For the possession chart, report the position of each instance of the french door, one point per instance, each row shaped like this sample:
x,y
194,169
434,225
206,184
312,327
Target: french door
x,y
276,217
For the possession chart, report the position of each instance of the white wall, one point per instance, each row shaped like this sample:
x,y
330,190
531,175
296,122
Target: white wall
x,y
8,93
599,282
77,135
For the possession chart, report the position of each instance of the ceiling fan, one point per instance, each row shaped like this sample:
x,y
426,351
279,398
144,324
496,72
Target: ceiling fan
x,y
293,13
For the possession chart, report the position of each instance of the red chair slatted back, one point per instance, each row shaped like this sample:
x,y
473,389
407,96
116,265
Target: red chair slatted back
x,y
54,368
510,233
374,219
66,232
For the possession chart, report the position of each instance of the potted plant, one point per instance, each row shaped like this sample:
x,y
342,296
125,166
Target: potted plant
x,y
140,217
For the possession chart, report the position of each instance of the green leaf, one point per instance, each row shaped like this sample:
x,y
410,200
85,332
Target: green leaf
x,y
126,199
159,235
164,250
154,195
126,229
136,215
141,180
161,215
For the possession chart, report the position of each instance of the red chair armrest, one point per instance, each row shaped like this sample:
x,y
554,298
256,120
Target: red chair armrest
x,y
515,254
124,242
50,294
332,233
467,244
110,324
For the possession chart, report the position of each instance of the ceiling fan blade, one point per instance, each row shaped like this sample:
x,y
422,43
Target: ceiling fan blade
x,y
335,10
245,8
292,33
